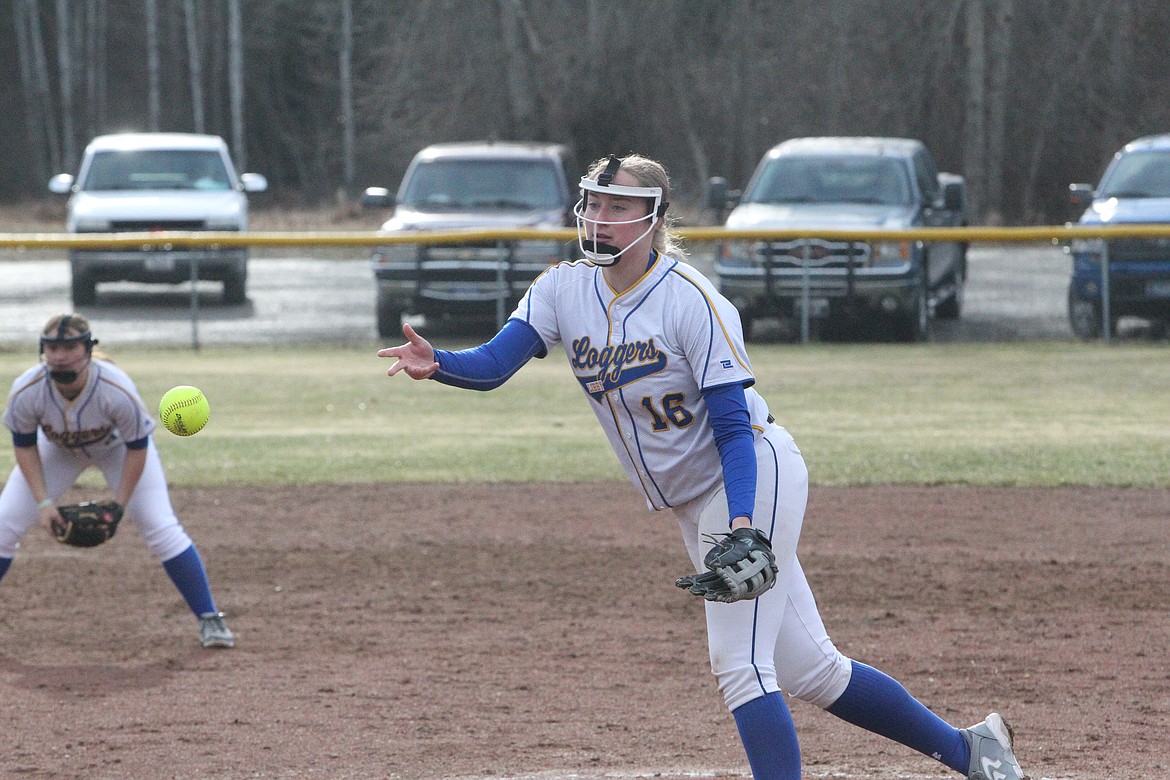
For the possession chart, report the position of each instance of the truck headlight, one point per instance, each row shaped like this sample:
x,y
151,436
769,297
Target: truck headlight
x,y
1091,248
91,226
394,253
738,253
890,253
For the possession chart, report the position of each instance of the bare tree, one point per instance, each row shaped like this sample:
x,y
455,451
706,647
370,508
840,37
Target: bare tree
x,y
96,27
345,60
153,78
1120,72
975,156
65,80
236,82
999,47
194,64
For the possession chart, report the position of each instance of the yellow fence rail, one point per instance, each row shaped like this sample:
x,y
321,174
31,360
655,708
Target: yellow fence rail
x,y
1051,233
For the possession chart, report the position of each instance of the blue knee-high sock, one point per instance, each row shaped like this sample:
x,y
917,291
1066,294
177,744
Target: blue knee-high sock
x,y
187,572
878,703
4,564
769,737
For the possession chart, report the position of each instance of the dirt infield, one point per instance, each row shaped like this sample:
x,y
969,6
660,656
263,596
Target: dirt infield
x,y
498,631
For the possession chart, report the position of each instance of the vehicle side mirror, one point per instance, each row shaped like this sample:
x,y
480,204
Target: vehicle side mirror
x,y
953,196
1080,196
720,198
253,182
377,198
61,184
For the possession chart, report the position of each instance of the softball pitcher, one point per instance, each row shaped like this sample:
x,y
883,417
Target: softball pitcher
x,y
659,354
73,410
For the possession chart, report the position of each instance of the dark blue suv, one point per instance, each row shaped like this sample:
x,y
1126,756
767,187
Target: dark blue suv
x,y
1135,189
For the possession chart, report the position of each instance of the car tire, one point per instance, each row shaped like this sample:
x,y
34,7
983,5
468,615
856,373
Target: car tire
x,y
914,326
235,288
84,289
1085,318
952,307
746,324
389,316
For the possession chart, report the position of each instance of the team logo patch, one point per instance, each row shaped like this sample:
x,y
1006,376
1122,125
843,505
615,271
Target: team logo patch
x,y
726,364
617,365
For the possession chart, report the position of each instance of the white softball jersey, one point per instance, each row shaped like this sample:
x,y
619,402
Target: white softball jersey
x,y
108,413
643,357
89,430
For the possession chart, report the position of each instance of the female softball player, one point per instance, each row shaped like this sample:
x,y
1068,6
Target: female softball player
x,y
76,409
660,355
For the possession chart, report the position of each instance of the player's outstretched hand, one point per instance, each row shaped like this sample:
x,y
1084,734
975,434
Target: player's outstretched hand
x,y
416,357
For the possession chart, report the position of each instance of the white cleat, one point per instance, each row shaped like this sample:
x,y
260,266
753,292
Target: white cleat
x,y
213,631
991,751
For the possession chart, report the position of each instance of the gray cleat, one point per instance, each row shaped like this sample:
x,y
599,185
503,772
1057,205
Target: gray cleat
x,y
991,751
213,631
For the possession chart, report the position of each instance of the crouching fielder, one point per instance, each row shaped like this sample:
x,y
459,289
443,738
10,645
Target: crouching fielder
x,y
73,410
659,354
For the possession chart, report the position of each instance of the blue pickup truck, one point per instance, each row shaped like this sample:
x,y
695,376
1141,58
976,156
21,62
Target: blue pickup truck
x,y
1134,190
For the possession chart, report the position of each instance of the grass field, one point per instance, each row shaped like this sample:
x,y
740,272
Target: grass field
x,y
1019,414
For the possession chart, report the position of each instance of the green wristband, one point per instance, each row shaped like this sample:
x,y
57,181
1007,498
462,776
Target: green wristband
x,y
45,503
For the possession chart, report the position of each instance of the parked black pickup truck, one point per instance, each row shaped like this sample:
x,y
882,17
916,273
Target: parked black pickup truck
x,y
481,185
845,184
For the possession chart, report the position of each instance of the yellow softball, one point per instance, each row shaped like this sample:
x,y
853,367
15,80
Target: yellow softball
x,y
184,410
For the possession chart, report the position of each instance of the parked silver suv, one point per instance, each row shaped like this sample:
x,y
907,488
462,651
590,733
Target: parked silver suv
x,y
147,182
470,185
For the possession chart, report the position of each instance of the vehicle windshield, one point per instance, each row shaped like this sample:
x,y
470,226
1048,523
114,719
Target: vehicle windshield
x,y
454,185
1139,175
824,179
157,169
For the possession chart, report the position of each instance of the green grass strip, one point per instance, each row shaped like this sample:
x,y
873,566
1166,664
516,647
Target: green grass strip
x,y
1041,413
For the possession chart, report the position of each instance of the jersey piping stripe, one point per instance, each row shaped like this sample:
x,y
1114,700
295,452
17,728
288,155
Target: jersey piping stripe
x,y
618,427
36,380
742,360
775,501
139,409
640,456
527,315
638,444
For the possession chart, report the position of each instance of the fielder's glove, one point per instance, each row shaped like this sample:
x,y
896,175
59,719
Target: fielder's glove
x,y
740,566
87,524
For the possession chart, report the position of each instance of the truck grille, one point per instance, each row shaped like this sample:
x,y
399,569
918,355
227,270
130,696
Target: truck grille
x,y
1139,249
821,254
144,226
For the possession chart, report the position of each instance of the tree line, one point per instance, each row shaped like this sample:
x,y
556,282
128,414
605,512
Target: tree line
x,y
326,97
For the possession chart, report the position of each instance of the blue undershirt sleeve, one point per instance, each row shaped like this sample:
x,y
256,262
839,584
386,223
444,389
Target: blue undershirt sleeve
x,y
24,439
731,425
489,365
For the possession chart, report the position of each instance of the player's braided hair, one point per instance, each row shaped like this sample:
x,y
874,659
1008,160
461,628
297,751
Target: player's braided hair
x,y
650,173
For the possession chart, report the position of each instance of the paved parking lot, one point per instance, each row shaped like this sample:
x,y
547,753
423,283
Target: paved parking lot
x,y
1015,292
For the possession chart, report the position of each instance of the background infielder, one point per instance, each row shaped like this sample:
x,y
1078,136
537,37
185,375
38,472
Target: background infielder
x,y
660,355
73,410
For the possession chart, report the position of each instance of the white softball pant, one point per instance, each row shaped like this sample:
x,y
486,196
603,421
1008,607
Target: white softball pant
x,y
776,642
149,509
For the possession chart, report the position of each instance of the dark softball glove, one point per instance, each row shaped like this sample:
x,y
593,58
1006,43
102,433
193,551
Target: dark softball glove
x,y
740,566
87,524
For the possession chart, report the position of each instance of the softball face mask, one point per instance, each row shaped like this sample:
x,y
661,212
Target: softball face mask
x,y
603,254
64,374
